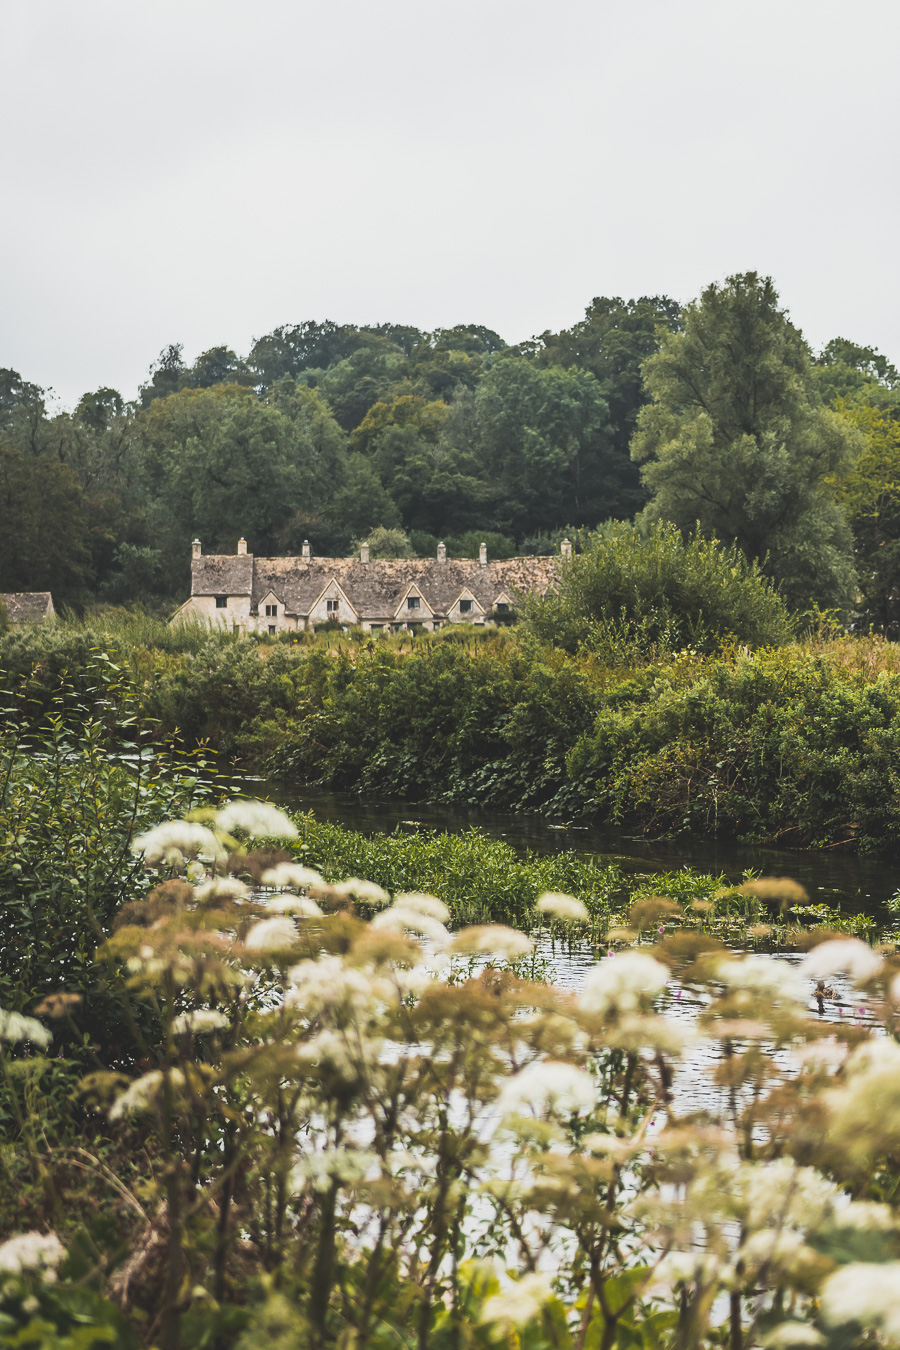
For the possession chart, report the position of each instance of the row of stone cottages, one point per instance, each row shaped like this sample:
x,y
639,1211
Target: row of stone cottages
x,y
276,595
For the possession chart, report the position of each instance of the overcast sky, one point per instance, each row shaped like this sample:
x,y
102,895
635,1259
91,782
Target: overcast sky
x,y
184,171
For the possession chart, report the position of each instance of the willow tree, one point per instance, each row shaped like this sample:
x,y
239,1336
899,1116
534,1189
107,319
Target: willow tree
x,y
735,441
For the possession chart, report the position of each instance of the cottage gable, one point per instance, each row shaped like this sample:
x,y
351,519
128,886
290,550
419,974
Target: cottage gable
x,y
235,590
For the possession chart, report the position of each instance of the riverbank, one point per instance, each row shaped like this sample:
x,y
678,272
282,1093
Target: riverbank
x,y
795,746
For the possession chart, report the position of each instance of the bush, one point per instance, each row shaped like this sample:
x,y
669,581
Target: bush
x,y
654,593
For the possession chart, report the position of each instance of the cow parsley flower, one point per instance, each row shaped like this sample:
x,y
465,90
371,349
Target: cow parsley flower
x,y
856,958
623,983
520,1303
493,939
198,1021
367,891
563,907
303,906
792,1336
30,1251
176,840
138,1097
548,1085
271,935
405,918
257,818
328,983
424,904
865,1292
292,874
15,1028
769,979
221,888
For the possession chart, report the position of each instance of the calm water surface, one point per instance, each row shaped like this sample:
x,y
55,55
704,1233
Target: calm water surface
x,y
857,885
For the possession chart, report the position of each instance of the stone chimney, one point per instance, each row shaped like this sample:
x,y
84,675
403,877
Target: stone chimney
x,y
482,555
242,548
196,550
565,548
442,553
364,553
306,548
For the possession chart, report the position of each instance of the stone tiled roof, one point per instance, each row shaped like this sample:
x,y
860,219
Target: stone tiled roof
x,y
28,606
222,574
375,589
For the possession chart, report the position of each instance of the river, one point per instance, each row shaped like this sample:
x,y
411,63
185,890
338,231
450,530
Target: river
x,y
855,884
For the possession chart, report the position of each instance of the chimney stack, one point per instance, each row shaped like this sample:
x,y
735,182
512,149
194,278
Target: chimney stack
x,y
482,555
565,548
196,550
364,553
242,548
442,553
306,548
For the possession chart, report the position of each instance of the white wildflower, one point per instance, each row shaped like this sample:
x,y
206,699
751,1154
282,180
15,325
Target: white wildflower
x,y
271,935
867,1293
176,840
563,907
779,1192
15,1028
764,976
367,891
199,1021
30,1251
292,874
222,888
792,1336
328,984
520,1303
258,818
330,1048
424,904
683,1268
346,1165
623,983
851,955
411,920
548,1085
867,1216
302,905
493,939
139,1096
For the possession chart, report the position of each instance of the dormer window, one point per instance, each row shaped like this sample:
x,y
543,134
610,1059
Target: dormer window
x,y
331,606
465,606
271,611
412,602
502,607
221,602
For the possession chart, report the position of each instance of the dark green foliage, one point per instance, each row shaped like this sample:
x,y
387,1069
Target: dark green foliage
x,y
736,444
481,880
651,592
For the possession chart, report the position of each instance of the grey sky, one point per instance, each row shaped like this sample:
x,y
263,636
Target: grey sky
x,y
184,171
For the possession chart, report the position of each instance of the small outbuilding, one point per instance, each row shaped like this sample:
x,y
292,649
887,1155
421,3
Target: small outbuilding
x,y
28,606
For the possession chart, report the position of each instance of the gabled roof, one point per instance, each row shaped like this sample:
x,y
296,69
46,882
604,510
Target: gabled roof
x,y
374,589
222,574
28,606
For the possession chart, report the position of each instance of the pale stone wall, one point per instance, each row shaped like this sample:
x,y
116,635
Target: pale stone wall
x,y
344,614
204,607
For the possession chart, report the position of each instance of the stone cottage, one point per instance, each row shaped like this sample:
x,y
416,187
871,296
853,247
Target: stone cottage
x,y
28,606
277,595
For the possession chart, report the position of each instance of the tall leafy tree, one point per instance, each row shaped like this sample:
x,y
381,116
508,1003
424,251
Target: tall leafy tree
x,y
869,490
736,443
45,540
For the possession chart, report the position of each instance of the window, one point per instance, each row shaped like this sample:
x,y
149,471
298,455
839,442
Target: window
x,y
465,606
221,602
271,630
271,611
375,627
412,602
502,607
331,606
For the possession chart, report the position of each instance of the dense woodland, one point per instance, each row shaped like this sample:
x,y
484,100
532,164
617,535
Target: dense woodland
x,y
715,414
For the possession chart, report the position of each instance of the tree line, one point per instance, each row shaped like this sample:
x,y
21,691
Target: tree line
x,y
715,415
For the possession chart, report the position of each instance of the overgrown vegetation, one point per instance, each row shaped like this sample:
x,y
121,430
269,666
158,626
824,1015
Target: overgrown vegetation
x,y
345,1123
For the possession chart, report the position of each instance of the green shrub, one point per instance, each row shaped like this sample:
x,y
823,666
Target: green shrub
x,y
650,593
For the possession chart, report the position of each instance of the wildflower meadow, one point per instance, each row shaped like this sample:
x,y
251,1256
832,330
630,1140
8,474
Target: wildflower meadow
x,y
331,1116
